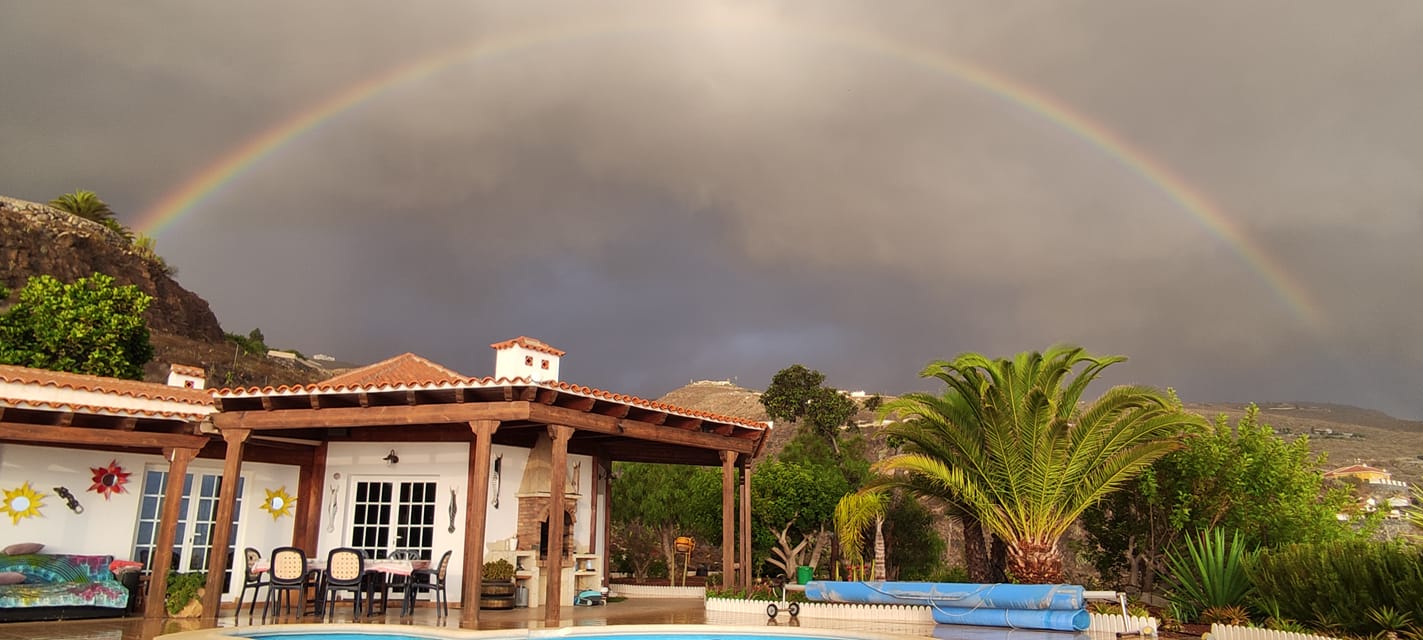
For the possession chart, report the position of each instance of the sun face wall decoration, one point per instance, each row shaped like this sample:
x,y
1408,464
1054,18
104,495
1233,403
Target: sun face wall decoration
x,y
21,502
278,503
109,479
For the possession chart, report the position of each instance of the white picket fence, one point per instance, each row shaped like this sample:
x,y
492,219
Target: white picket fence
x,y
1110,624
646,591
1232,632
1107,625
904,613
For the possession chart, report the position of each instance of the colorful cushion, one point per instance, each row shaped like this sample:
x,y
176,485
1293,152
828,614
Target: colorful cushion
x,y
23,548
11,577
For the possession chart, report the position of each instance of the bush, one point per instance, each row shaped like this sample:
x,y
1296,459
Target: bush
x,y
1209,575
1338,584
657,569
182,588
498,571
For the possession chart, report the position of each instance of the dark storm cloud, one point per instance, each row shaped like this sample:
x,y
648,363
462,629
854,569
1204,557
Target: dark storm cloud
x,y
721,189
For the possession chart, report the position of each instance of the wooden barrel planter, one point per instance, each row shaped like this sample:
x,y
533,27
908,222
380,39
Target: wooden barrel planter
x,y
496,595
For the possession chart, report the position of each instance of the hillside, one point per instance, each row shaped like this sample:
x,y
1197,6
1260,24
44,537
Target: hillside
x,y
39,239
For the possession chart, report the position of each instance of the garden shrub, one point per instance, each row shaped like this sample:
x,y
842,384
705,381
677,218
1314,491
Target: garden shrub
x,y
1209,575
1338,584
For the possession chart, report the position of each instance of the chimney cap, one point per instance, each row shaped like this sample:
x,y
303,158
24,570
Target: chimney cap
x,y
528,343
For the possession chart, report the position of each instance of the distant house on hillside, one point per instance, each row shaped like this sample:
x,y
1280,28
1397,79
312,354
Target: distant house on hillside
x,y
1363,472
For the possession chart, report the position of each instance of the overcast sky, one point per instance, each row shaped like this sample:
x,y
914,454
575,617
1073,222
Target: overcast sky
x,y
678,191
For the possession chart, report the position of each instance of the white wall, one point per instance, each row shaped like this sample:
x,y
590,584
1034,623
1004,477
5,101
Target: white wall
x,y
108,527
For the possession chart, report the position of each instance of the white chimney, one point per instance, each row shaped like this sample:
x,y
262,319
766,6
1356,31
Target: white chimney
x,y
182,375
525,357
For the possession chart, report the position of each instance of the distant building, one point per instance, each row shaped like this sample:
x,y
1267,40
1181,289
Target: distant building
x,y
323,358
1361,471
285,355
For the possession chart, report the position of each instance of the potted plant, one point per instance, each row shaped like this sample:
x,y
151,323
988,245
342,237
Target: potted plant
x,y
184,597
497,589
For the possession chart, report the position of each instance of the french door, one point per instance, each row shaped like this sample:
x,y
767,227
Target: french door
x,y
389,514
197,519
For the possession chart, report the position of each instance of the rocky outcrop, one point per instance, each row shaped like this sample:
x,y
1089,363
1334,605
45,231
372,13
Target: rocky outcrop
x,y
38,239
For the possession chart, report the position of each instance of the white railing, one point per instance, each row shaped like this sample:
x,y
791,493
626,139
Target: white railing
x,y
1110,624
647,591
1232,632
1390,483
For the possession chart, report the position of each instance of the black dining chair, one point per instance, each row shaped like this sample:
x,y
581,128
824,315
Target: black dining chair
x,y
433,580
288,574
387,582
345,571
250,580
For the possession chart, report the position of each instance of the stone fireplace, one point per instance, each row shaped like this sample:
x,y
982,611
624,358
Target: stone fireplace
x,y
534,498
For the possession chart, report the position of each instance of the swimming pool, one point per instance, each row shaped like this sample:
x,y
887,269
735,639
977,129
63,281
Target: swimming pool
x,y
618,632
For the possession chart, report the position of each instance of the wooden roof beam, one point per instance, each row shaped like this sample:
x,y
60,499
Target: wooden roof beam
x,y
636,429
579,403
616,410
379,416
547,396
33,433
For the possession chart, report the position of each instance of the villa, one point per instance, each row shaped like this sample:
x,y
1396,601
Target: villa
x,y
404,454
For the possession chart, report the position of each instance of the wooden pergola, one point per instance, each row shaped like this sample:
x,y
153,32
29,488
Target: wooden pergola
x,y
73,411
428,406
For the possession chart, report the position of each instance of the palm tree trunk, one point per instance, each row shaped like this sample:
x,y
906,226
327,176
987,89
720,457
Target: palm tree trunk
x,y
997,559
879,565
975,553
1035,562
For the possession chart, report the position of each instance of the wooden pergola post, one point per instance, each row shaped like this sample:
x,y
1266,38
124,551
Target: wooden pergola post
x,y
161,562
746,523
475,512
557,487
311,480
728,518
222,525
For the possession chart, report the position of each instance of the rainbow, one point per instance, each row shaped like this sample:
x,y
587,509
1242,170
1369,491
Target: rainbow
x,y
1210,216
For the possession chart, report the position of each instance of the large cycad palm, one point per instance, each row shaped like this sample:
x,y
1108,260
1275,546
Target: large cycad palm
x,y
1012,443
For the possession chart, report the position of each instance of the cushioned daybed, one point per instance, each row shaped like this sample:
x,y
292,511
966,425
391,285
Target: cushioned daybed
x,y
59,587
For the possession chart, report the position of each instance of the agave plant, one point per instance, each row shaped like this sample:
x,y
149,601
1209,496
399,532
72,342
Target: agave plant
x,y
1390,619
1210,574
1231,614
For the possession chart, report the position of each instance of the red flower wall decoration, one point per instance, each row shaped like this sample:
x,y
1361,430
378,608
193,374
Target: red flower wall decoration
x,y
109,480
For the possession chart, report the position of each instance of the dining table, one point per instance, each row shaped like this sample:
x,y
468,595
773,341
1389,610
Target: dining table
x,y
378,578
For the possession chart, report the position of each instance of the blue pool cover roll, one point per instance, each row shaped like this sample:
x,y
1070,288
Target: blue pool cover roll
x,y
1058,597
1046,619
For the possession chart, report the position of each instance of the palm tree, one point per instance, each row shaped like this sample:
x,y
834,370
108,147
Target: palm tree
x,y
1011,442
86,204
853,515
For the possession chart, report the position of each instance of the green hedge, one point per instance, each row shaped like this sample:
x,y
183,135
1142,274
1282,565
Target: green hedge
x,y
1336,586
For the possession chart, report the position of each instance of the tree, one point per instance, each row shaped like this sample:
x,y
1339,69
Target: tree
x,y
86,204
798,394
91,326
667,499
1010,441
914,551
795,504
853,516
1243,478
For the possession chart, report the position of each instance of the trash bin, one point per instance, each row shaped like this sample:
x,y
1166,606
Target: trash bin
x,y
521,596
803,574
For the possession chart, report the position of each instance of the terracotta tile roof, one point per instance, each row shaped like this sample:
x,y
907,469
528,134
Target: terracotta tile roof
x,y
186,370
98,384
342,384
528,343
1355,468
22,403
406,368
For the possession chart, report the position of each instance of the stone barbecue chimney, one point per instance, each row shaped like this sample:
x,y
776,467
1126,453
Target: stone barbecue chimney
x,y
525,357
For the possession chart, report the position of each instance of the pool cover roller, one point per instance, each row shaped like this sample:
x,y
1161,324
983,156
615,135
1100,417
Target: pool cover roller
x,y
1053,607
